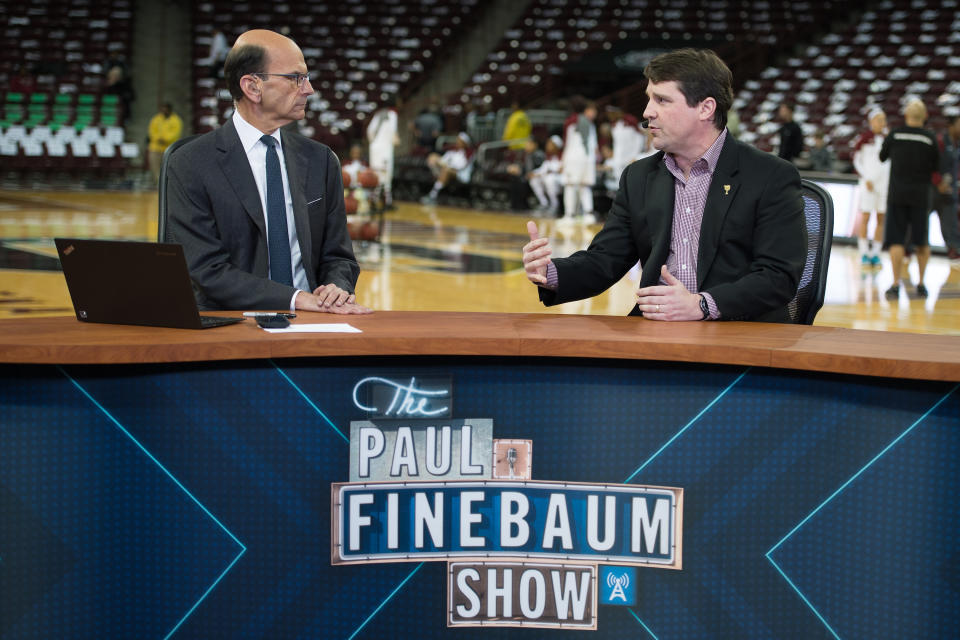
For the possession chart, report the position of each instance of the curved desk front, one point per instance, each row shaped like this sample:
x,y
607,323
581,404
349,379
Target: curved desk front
x,y
163,483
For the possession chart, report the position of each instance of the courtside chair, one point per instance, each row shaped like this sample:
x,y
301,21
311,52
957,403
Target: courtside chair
x,y
818,214
162,188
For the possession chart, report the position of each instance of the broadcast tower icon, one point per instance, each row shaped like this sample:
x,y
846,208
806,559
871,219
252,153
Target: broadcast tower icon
x,y
618,584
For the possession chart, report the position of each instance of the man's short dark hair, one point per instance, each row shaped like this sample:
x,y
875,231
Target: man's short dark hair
x,y
241,61
578,103
699,74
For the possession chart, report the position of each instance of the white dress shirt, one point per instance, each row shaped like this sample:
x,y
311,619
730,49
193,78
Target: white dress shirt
x,y
257,157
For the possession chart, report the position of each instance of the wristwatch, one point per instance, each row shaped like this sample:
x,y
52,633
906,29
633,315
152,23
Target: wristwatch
x,y
704,307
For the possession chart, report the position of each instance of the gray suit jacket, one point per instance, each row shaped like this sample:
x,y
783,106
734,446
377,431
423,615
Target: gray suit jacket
x,y
752,239
214,211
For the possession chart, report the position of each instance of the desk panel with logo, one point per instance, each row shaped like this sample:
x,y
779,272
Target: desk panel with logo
x,y
475,497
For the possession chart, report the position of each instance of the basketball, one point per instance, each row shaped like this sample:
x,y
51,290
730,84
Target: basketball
x,y
353,230
350,203
369,231
346,179
368,179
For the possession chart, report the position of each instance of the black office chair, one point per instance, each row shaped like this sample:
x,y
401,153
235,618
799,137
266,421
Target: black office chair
x,y
162,188
818,213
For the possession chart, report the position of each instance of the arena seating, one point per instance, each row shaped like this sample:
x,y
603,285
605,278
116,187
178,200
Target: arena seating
x,y
527,65
364,54
898,50
361,54
67,119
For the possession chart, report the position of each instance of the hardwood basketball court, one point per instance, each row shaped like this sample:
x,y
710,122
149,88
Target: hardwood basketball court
x,y
431,258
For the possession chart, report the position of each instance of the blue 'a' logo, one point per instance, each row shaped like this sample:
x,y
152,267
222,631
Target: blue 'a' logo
x,y
618,585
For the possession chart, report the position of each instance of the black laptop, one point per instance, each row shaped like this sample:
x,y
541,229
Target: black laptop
x,y
125,282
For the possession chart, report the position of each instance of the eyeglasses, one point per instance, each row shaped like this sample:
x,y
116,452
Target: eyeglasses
x,y
299,78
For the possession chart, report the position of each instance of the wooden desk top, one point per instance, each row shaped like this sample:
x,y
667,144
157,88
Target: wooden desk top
x,y
64,340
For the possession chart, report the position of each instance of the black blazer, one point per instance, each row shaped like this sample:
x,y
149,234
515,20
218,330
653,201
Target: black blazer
x,y
752,239
214,211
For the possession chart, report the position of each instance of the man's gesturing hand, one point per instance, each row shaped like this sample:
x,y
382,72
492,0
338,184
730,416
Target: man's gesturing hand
x,y
536,255
671,301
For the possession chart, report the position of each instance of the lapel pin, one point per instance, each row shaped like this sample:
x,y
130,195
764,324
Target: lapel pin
x,y
726,189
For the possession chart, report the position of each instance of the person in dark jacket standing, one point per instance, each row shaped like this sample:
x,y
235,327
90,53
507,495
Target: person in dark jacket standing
x,y
791,136
947,199
914,159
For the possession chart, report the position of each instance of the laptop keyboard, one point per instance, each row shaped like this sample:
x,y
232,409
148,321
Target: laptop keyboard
x,y
207,322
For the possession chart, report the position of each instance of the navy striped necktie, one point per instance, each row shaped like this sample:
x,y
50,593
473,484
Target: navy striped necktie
x,y
278,242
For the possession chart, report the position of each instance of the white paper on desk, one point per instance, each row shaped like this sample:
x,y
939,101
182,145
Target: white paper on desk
x,y
331,327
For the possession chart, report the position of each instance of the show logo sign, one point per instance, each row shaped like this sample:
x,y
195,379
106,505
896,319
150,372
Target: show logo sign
x,y
425,486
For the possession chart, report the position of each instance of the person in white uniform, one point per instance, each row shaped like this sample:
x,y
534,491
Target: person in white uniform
x,y
580,161
382,136
628,144
546,180
454,164
872,186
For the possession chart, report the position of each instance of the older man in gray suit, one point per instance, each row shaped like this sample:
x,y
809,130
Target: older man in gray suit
x,y
260,212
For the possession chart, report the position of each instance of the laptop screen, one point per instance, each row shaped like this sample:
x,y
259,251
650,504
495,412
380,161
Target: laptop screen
x,y
128,282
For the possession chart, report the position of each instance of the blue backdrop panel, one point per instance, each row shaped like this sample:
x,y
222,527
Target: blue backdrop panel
x,y
193,500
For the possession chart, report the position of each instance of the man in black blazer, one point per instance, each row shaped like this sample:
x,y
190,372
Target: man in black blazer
x,y
218,195
717,225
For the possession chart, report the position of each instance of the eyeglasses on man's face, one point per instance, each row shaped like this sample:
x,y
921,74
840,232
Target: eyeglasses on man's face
x,y
298,78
